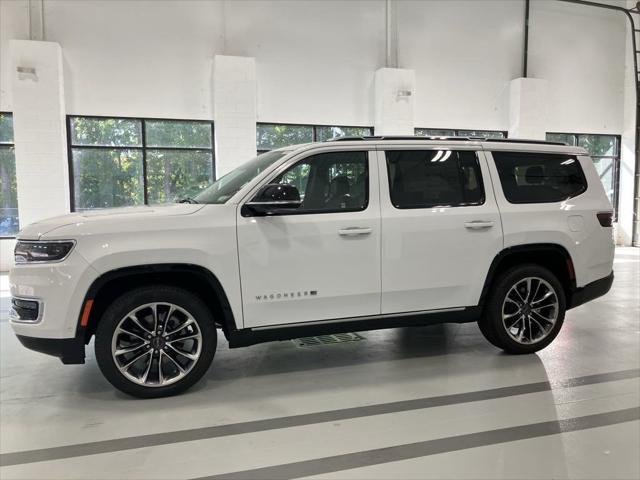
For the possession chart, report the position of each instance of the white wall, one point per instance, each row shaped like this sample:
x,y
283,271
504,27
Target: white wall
x,y
580,51
315,60
464,54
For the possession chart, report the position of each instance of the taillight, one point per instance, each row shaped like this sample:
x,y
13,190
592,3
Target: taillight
x,y
605,218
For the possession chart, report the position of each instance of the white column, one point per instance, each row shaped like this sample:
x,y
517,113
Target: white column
x,y
624,230
39,129
528,108
394,93
234,107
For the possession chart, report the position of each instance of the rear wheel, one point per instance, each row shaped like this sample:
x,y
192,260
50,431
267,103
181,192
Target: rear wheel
x,y
155,341
525,310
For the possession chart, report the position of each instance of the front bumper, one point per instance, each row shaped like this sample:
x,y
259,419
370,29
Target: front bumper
x,y
69,350
591,291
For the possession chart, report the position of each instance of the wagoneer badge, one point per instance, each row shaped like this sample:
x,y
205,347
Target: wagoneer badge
x,y
287,295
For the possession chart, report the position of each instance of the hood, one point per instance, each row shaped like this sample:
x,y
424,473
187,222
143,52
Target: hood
x,y
127,214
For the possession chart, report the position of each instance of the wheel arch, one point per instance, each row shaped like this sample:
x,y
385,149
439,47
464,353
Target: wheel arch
x,y
549,255
193,278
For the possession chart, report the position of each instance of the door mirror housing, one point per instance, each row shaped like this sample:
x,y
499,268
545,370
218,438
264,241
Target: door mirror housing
x,y
273,199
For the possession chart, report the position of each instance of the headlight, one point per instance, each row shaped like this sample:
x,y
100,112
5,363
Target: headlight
x,y
34,252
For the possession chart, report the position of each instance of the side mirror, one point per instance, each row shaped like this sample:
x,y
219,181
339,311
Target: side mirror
x,y
273,199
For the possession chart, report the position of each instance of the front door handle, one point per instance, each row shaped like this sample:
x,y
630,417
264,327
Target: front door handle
x,y
354,231
478,224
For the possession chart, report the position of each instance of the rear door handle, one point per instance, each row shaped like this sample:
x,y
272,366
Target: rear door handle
x,y
354,231
478,224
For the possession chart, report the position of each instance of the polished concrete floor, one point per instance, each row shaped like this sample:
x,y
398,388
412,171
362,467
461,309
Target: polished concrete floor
x,y
436,402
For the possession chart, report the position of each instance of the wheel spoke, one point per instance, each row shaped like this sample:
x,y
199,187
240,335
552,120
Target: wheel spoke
x,y
181,327
195,335
175,362
154,310
135,320
543,318
160,376
134,360
127,332
166,319
122,351
544,297
147,370
528,283
542,329
190,356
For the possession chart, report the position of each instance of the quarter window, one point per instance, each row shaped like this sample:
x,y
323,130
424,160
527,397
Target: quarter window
x,y
605,153
434,178
539,177
330,182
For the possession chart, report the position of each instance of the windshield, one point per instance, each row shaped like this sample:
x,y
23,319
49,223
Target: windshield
x,y
227,186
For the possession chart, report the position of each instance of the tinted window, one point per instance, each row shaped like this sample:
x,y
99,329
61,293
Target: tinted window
x,y
330,182
434,178
539,177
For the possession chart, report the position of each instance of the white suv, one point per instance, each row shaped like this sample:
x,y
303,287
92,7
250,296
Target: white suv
x,y
357,234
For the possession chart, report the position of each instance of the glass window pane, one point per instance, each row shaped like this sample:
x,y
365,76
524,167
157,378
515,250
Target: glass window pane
x,y
330,182
171,133
434,178
539,177
481,133
605,169
6,128
567,138
599,145
433,132
106,178
106,131
9,224
176,174
270,136
327,133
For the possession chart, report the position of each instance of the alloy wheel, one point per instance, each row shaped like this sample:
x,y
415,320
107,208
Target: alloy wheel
x,y
530,310
156,344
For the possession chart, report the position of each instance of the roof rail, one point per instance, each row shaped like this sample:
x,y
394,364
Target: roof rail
x,y
452,139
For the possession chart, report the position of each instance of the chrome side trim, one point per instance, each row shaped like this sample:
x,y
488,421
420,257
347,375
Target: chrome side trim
x,y
351,319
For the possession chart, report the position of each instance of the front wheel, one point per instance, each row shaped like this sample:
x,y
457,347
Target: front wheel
x,y
525,309
155,341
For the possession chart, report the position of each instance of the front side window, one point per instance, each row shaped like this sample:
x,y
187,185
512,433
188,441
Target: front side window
x,y
330,182
539,177
434,178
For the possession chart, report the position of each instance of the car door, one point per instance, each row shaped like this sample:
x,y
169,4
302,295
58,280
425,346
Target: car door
x,y
321,261
440,227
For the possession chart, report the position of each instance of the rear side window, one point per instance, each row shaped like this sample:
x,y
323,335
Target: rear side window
x,y
539,177
434,178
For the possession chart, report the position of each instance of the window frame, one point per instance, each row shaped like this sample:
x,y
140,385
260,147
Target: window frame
x,y
614,158
10,146
142,148
314,131
294,162
457,131
478,162
574,156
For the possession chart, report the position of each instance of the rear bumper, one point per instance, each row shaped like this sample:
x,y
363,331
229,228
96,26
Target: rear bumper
x,y
69,350
591,291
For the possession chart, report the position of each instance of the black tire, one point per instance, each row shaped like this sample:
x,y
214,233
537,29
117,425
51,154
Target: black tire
x,y
128,302
491,324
